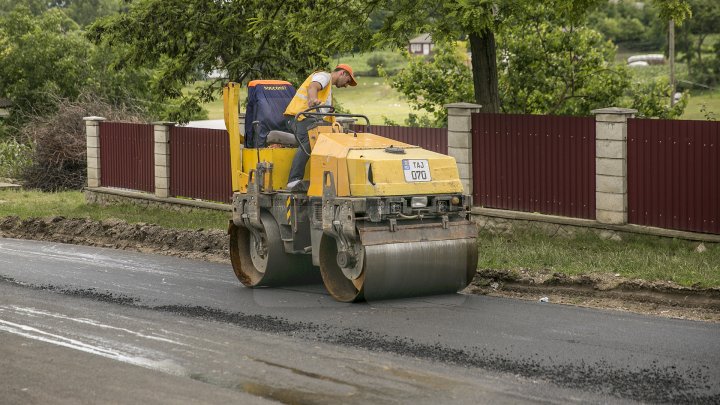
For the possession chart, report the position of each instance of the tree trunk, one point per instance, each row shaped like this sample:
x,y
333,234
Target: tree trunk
x,y
484,70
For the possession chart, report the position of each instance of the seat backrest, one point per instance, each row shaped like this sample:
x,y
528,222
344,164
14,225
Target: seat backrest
x,y
267,101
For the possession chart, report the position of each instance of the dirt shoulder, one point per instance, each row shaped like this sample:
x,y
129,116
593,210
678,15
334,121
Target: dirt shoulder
x,y
596,290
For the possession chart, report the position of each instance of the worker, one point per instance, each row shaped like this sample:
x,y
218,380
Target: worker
x,y
315,90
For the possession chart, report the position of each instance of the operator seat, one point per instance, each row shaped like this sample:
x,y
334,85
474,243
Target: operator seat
x,y
264,119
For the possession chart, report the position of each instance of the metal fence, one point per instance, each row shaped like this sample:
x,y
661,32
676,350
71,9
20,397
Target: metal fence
x,y
128,160
674,174
200,164
434,139
534,163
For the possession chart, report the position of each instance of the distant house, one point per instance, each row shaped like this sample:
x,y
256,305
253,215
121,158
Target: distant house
x,y
5,107
421,45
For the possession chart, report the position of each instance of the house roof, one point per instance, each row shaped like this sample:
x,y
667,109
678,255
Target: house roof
x,y
5,103
422,39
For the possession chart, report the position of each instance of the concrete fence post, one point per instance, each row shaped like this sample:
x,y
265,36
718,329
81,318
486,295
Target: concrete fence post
x,y
241,122
460,140
611,203
162,158
92,134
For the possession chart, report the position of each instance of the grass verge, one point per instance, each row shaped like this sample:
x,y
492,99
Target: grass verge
x,y
71,204
636,256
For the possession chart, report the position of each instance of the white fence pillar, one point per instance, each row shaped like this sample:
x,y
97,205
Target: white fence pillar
x,y
460,140
92,134
611,205
162,158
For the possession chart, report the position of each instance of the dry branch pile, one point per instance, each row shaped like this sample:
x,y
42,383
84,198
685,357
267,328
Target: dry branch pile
x,y
59,142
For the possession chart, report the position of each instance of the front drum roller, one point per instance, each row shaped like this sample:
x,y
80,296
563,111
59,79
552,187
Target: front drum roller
x,y
399,270
269,267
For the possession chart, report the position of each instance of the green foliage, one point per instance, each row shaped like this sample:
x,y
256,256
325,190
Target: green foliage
x,y
47,58
544,69
652,99
374,62
14,158
552,69
83,12
41,55
246,39
366,63
692,41
430,84
629,25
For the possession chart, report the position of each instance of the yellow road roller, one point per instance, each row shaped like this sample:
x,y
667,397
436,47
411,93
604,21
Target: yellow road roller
x,y
380,219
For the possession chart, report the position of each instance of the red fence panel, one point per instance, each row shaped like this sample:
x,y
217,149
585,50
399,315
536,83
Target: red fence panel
x,y
200,164
534,163
127,156
674,174
434,139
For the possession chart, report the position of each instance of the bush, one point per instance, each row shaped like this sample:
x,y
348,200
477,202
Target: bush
x,y
59,159
374,62
14,158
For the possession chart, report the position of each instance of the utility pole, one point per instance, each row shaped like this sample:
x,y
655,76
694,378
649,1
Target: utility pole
x,y
671,40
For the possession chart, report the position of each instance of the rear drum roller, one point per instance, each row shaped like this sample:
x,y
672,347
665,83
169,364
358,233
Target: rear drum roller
x,y
398,270
269,267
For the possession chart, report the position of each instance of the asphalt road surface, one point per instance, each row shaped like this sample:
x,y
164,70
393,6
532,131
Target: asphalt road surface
x,y
91,325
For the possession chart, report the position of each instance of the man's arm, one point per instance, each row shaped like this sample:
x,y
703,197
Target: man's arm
x,y
313,90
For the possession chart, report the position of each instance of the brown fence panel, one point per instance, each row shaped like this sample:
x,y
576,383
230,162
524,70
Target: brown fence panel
x,y
127,156
534,163
434,139
674,174
200,164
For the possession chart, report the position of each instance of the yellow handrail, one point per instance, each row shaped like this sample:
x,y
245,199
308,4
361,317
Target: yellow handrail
x,y
231,96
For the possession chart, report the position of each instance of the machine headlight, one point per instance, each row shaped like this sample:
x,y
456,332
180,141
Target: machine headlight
x,y
418,202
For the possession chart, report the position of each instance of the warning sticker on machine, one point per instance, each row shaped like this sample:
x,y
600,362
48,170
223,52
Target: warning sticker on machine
x,y
416,170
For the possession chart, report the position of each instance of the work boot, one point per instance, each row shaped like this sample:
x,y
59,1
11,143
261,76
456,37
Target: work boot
x,y
298,186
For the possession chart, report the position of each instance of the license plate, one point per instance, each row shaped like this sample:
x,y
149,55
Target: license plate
x,y
416,170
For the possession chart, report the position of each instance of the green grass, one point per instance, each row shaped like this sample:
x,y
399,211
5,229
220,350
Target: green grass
x,y
393,60
709,101
375,98
636,256
71,204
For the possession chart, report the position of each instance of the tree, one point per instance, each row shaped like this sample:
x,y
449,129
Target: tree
x,y
692,37
544,68
630,24
428,85
82,12
47,57
548,68
246,39
480,20
40,55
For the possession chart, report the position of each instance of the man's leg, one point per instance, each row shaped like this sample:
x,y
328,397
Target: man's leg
x,y
297,169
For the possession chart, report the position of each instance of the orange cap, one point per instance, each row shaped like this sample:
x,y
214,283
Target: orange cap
x,y
348,69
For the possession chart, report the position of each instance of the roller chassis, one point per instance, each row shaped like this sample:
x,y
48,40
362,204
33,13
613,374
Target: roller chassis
x,y
304,219
336,231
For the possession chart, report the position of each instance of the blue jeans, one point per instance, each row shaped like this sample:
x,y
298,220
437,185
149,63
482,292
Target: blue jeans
x,y
300,128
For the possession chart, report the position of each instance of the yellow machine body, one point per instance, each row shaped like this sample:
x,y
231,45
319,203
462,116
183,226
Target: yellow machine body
x,y
281,158
361,167
395,224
